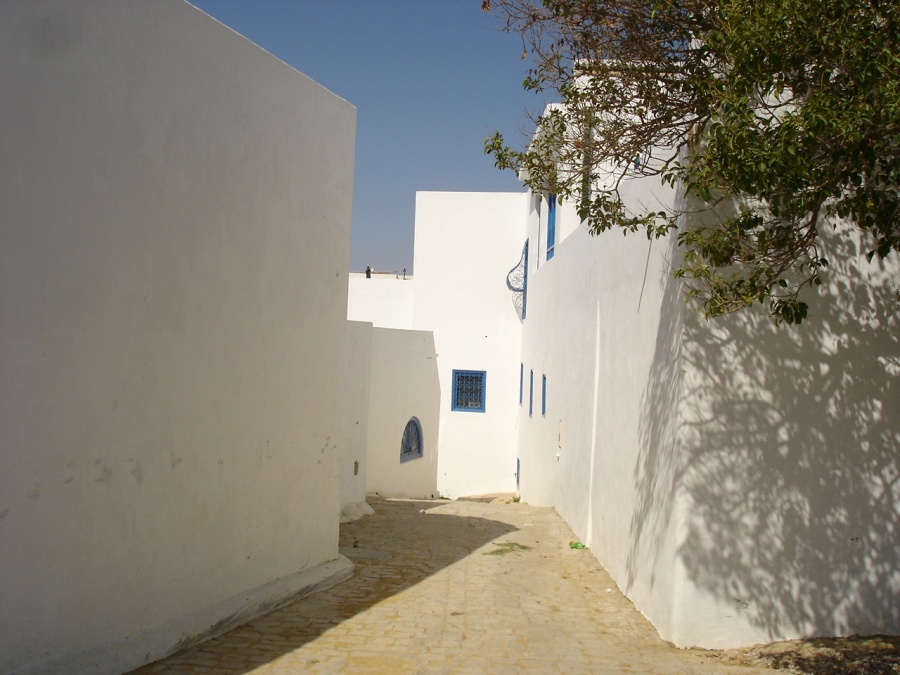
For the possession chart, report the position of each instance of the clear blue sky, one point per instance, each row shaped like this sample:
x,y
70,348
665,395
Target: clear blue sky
x,y
430,79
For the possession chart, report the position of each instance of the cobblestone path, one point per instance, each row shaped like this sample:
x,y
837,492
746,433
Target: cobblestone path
x,y
453,587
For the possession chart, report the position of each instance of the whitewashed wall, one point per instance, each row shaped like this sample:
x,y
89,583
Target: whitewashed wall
x,y
403,384
355,414
385,300
737,479
173,278
465,245
601,319
788,465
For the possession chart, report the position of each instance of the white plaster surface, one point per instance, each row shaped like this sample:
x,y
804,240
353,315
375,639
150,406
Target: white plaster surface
x,y
789,450
385,300
173,282
355,418
220,618
600,315
403,384
736,479
465,245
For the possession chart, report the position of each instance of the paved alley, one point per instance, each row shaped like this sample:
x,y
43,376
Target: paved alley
x,y
453,587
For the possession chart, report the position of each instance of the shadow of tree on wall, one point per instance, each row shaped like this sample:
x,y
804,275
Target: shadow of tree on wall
x,y
788,458
656,471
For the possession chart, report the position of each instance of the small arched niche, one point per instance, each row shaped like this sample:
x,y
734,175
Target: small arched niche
x,y
411,444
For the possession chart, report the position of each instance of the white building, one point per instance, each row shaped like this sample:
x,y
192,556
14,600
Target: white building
x,y
738,480
456,295
174,230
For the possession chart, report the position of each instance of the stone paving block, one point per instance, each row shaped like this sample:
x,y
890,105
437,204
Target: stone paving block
x,y
435,591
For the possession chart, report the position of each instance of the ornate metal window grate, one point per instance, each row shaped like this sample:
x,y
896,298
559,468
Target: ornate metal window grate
x,y
411,443
469,390
517,282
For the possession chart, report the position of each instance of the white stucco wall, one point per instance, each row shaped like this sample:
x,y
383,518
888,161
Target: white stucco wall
x,y
385,300
737,479
465,245
789,464
173,275
403,383
603,325
355,419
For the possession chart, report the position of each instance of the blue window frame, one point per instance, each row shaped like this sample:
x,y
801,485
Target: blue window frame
x,y
521,381
530,393
551,225
411,443
543,395
469,388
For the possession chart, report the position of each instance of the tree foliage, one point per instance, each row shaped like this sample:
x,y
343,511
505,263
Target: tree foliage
x,y
776,115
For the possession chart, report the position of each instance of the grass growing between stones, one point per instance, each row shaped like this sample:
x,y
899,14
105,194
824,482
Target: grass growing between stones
x,y
508,547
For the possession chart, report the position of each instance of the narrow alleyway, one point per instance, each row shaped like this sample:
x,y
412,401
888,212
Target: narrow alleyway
x,y
453,587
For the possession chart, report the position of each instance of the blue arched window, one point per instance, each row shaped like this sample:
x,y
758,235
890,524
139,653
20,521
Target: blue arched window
x,y
411,444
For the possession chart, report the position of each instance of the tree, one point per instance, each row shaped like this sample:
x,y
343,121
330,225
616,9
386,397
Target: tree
x,y
779,116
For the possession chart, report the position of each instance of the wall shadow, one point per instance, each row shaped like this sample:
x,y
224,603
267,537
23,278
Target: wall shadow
x,y
399,546
788,451
656,471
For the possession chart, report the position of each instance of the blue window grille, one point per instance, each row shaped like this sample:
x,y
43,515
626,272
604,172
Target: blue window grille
x,y
411,443
530,393
521,381
543,395
469,390
551,225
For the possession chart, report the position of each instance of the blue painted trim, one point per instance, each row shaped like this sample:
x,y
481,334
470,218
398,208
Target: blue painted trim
x,y
531,393
521,381
543,395
460,402
551,225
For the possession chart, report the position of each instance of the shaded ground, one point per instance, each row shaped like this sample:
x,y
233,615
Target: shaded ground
x,y
878,655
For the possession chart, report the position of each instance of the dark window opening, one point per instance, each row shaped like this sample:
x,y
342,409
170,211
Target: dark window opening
x,y
411,443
